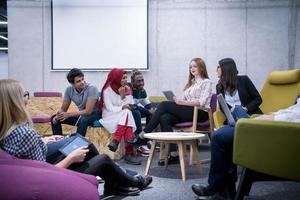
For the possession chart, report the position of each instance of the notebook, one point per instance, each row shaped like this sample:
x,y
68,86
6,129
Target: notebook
x,y
223,104
169,95
78,142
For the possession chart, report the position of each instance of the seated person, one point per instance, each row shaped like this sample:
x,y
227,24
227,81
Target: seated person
x,y
239,92
197,92
115,104
143,107
222,174
28,179
85,96
18,138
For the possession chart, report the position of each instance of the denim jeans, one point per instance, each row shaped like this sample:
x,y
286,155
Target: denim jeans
x,y
239,113
82,124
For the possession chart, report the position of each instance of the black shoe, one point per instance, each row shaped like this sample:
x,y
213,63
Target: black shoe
x,y
132,160
113,146
135,141
121,190
171,160
202,190
143,181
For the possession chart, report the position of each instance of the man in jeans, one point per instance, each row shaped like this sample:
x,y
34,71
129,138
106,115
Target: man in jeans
x,y
85,96
143,107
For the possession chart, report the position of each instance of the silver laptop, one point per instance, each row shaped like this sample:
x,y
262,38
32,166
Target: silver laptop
x,y
169,95
223,104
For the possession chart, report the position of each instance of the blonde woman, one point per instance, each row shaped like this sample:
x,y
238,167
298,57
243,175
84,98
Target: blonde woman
x,y
18,138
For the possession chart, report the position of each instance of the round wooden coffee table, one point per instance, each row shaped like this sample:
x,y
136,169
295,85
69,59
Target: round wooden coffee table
x,y
179,138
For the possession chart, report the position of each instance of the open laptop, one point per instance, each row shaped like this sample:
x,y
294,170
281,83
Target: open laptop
x,y
223,104
169,95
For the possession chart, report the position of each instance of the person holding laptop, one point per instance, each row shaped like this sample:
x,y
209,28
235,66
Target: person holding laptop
x,y
19,139
242,99
197,92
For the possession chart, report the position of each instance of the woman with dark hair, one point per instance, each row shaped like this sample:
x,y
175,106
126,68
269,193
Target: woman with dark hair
x,y
115,105
243,100
238,91
197,92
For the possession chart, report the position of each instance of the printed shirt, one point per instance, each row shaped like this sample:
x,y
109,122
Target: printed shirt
x,y
139,96
25,143
200,90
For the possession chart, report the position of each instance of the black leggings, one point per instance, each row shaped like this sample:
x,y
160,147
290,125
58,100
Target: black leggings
x,y
103,166
169,113
94,164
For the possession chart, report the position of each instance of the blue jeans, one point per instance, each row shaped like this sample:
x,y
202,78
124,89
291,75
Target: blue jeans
x,y
223,173
239,113
138,113
82,124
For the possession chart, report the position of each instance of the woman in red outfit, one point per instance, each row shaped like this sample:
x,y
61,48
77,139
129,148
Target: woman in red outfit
x,y
115,105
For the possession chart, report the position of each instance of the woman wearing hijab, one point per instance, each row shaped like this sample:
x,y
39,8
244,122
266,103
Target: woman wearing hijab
x,y
115,105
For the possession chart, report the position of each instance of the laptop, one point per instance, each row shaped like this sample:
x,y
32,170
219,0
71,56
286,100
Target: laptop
x,y
169,95
78,142
223,104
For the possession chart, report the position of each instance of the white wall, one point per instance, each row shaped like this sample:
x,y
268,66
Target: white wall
x,y
257,33
3,65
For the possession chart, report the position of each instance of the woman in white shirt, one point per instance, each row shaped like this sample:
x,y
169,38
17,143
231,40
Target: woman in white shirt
x,y
115,104
197,92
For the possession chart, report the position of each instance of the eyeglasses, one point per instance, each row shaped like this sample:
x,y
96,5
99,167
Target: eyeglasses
x,y
26,94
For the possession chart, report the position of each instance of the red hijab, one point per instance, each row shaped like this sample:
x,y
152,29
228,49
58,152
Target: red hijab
x,y
114,81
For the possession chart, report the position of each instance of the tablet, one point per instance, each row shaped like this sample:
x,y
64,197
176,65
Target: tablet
x,y
78,142
169,95
223,104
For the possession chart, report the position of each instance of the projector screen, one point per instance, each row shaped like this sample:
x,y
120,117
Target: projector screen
x,y
99,34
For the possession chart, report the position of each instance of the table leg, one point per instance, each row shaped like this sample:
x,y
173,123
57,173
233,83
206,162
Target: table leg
x,y
149,162
181,159
194,153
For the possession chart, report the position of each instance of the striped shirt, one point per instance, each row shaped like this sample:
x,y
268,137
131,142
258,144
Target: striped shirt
x,y
200,90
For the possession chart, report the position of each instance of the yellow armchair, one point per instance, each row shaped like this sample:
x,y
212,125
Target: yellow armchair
x,y
267,150
279,91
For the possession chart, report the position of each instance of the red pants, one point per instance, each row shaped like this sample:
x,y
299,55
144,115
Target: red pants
x,y
126,132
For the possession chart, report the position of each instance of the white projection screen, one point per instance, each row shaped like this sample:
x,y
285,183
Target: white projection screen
x,y
99,34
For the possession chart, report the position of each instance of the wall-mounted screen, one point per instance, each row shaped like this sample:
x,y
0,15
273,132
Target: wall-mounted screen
x,y
99,34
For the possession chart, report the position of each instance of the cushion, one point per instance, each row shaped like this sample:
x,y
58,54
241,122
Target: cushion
x,y
190,124
28,179
284,77
47,94
41,119
97,124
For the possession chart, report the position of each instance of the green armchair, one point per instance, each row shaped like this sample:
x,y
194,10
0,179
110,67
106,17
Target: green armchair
x,y
267,150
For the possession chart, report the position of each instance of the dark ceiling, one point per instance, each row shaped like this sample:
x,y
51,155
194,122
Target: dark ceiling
x,y
3,25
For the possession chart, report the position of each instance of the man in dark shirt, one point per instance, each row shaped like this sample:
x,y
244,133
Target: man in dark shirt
x,y
143,107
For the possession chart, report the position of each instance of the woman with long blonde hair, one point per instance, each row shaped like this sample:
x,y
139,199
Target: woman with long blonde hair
x,y
18,138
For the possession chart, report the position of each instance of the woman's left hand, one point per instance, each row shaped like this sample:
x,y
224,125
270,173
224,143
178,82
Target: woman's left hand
x,y
51,139
179,101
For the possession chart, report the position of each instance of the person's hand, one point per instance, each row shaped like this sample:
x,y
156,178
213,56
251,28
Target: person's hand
x,y
232,109
179,101
152,110
126,106
78,155
122,91
265,117
62,116
51,139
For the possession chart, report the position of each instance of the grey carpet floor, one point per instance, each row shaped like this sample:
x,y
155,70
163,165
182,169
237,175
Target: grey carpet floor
x,y
167,183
